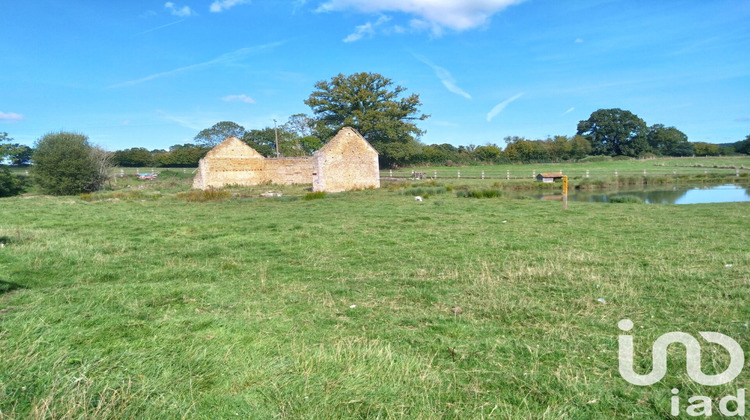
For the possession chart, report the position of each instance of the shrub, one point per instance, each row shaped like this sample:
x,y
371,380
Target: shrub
x,y
66,164
10,184
627,199
479,193
315,195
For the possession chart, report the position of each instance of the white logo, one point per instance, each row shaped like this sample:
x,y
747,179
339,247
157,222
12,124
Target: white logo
x,y
693,356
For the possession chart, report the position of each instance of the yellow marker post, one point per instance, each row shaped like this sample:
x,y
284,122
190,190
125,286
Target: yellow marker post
x,y
565,192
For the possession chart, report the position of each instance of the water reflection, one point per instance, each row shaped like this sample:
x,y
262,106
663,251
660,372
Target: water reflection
x,y
665,195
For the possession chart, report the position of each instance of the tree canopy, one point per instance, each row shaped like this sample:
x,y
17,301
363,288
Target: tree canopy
x,y
370,103
668,141
9,184
615,132
743,146
219,132
18,154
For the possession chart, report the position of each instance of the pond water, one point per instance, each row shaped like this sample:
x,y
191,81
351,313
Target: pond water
x,y
680,194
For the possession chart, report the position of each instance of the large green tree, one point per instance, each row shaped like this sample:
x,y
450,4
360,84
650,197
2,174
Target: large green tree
x,y
370,103
65,164
615,132
668,141
219,132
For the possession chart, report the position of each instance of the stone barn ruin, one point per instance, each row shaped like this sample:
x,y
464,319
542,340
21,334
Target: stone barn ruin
x,y
346,162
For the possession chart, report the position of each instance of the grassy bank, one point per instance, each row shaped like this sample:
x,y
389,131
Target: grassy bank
x,y
360,304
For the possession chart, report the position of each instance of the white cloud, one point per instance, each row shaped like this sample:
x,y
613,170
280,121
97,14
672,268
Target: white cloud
x,y
10,117
501,106
457,15
183,11
126,122
221,5
568,111
446,77
238,98
368,29
579,40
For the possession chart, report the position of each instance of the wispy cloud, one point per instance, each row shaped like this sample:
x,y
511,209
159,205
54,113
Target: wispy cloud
x,y
368,29
10,117
184,11
238,98
224,58
568,111
457,15
190,123
501,106
222,5
160,27
445,76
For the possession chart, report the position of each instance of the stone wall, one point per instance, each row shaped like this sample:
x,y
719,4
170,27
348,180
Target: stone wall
x,y
288,171
232,162
346,162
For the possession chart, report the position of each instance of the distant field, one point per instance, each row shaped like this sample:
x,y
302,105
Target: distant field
x,y
630,167
143,302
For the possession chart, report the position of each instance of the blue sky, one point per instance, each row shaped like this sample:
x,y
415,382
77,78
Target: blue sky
x,y
154,73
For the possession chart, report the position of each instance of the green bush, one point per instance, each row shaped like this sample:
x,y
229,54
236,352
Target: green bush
x,y
315,195
66,164
487,193
10,184
627,199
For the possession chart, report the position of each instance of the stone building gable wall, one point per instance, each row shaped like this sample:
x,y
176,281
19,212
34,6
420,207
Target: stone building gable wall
x,y
347,162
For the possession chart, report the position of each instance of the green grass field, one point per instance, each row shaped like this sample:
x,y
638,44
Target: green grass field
x,y
596,169
142,302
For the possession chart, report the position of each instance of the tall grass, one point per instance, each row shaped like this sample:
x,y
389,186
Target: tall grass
x,y
360,305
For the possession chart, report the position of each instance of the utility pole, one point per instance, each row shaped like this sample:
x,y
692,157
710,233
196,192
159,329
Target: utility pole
x,y
276,133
